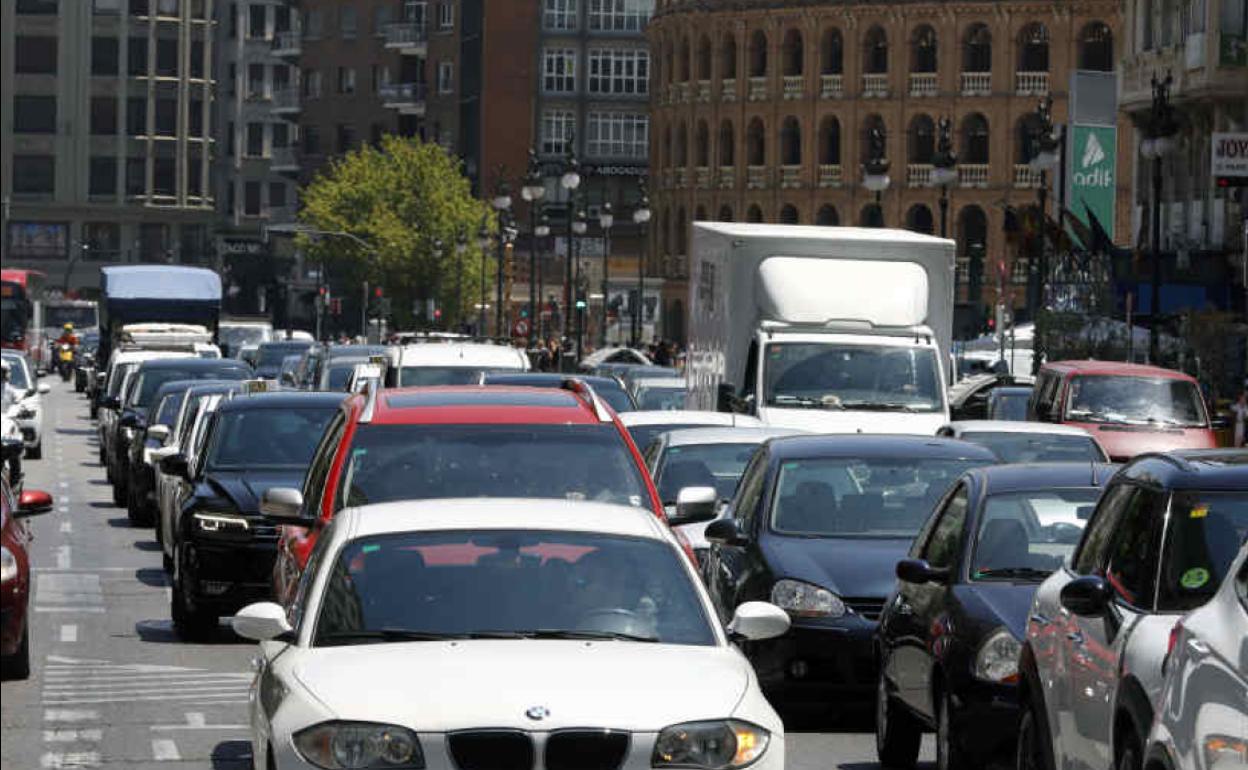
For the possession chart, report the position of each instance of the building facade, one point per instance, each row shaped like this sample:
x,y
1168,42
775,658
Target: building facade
x,y
107,134
764,112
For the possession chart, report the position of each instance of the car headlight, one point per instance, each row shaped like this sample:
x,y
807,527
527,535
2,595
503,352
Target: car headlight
x,y
360,746
8,565
997,659
206,521
1224,748
806,600
25,413
713,745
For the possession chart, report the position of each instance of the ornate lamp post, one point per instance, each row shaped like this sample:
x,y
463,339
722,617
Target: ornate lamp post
x,y
580,224
570,181
875,170
944,170
1046,158
1160,141
542,231
501,204
641,217
461,246
533,191
606,219
483,241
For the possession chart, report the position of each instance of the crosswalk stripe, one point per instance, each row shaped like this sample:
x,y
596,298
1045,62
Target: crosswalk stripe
x,y
165,750
221,697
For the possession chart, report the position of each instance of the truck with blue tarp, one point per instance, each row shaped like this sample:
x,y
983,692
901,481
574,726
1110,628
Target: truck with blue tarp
x,y
136,294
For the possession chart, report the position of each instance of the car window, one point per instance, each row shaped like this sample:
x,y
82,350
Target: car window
x,y
1204,534
750,493
1241,584
1090,555
1134,553
702,465
266,438
297,611
946,541
322,461
1027,535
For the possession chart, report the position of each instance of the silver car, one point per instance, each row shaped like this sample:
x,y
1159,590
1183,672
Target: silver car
x,y
1202,719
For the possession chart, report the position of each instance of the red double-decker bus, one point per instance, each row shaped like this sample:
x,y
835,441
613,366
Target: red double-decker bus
x,y
21,299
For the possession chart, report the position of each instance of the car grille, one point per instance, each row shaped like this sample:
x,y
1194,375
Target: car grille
x,y
871,609
586,750
491,750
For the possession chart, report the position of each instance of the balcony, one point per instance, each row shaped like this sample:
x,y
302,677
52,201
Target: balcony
x,y
875,85
284,160
976,83
830,175
790,177
1026,177
727,177
286,101
923,84
973,175
288,44
407,98
682,177
918,175
755,177
410,38
682,93
728,90
703,91
794,87
702,177
758,89
1031,83
832,86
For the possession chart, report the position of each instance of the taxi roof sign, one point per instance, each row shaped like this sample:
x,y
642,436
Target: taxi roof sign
x,y
256,386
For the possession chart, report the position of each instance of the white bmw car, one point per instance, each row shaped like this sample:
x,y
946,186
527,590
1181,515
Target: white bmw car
x,y
28,412
478,634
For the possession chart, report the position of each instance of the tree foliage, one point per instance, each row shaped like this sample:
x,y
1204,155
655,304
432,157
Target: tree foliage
x,y
410,201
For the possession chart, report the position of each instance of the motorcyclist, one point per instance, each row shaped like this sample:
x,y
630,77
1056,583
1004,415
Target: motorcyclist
x,y
67,336
66,343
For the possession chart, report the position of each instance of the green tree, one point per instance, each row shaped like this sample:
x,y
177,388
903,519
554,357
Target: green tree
x,y
411,202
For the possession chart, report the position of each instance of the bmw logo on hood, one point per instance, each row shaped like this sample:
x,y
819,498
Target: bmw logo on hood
x,y
537,713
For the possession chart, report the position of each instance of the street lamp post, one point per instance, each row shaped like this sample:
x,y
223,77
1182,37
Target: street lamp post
x,y
606,219
542,231
461,246
570,180
641,216
1045,159
1160,141
483,241
944,170
875,170
501,204
580,224
533,191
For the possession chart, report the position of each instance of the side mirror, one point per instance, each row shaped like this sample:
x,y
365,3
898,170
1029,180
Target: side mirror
x,y
32,502
283,503
755,621
694,505
11,449
918,572
287,378
160,453
175,465
725,532
128,420
110,402
726,397
42,388
158,432
262,622
1088,596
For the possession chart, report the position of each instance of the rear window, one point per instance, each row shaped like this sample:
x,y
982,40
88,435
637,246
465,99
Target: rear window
x,y
707,465
150,381
1038,447
267,438
1205,533
426,376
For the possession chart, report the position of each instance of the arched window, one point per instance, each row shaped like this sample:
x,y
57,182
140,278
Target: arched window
x,y
977,49
792,54
827,216
974,139
791,142
684,60
702,146
725,214
919,219
758,54
682,146
1096,47
830,141
755,215
756,143
921,140
875,51
682,232
1033,48
871,216
704,58
789,215
832,53
872,121
1027,132
923,49
727,144
972,246
728,57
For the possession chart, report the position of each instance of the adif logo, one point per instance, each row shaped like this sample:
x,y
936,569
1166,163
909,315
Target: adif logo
x,y
1094,171
1093,153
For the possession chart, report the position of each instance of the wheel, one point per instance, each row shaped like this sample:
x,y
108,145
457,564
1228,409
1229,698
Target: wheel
x,y
191,622
119,491
1032,741
950,754
136,509
897,732
1129,756
35,452
18,666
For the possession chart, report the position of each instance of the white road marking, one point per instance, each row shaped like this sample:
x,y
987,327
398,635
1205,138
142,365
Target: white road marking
x,y
67,715
93,570
64,484
54,760
63,557
63,509
165,750
69,633
67,527
219,697
68,589
72,736
89,608
195,721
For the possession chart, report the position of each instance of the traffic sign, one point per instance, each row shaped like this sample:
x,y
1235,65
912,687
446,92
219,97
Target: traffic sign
x,y
520,328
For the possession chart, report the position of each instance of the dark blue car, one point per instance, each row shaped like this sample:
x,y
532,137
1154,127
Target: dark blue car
x,y
817,526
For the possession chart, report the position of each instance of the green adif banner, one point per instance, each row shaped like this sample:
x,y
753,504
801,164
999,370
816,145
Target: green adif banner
x,y
1093,162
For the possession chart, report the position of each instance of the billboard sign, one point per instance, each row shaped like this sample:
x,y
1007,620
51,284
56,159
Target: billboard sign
x,y
1093,173
1230,159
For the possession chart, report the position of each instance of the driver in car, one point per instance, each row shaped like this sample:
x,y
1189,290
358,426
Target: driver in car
x,y
606,602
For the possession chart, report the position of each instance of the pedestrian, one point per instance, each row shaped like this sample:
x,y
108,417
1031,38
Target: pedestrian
x,y
1240,410
662,355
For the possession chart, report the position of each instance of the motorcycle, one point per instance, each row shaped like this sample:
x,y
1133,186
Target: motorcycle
x,y
65,360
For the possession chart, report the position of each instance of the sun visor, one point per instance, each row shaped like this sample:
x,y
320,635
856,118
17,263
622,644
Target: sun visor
x,y
812,291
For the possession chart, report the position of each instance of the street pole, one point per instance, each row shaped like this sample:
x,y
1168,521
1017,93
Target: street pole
x,y
641,216
498,289
606,220
364,313
1161,128
532,274
944,211
1038,277
579,226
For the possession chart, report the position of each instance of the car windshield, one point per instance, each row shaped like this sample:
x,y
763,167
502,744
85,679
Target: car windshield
x,y
17,373
1027,535
706,465
1135,401
887,497
644,435
509,584
820,375
149,381
1205,532
266,438
1008,406
81,316
663,398
271,355
237,336
440,375
411,462
1037,447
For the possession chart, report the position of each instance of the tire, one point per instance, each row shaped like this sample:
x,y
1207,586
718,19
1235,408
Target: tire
x,y
1129,756
192,623
1032,739
897,731
35,452
120,492
136,509
950,754
18,666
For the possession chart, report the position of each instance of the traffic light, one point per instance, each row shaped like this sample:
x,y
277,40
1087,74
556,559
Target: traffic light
x,y
437,314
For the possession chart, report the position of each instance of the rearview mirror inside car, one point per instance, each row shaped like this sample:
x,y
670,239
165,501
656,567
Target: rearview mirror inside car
x,y
694,505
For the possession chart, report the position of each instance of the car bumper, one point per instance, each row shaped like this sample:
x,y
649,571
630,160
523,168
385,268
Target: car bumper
x,y
12,620
817,660
230,576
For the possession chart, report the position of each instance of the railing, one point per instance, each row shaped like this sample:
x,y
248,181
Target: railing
x,y
727,177
1031,83
973,174
401,94
790,177
728,90
288,43
704,91
918,174
682,177
702,177
831,86
1025,176
976,83
286,99
794,86
922,83
875,85
405,34
830,175
758,89
755,177
682,93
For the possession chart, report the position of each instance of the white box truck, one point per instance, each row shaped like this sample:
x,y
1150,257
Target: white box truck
x,y
827,329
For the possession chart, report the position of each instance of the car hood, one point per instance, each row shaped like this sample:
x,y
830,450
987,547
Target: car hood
x,y
1122,442
244,488
848,421
443,686
998,604
849,567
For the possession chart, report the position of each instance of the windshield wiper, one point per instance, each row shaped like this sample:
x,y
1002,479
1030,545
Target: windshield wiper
x,y
387,635
1013,572
560,633
880,406
823,402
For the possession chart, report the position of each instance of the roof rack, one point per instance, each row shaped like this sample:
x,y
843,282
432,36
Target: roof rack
x,y
583,388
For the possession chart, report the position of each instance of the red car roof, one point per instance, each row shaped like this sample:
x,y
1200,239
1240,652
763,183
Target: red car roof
x,y
467,404
1117,367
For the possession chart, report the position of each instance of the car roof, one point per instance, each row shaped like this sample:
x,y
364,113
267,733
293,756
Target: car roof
x,y
660,382
502,513
147,354
540,379
688,417
284,399
466,354
1014,426
717,435
1203,469
194,362
878,446
207,387
1120,368
477,404
334,352
1000,479
284,343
